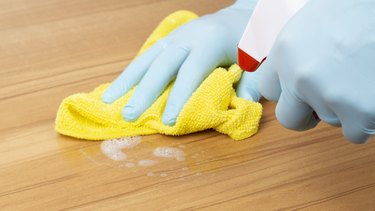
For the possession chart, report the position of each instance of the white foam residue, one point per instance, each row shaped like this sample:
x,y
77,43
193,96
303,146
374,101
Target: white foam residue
x,y
146,162
113,148
170,152
150,174
130,165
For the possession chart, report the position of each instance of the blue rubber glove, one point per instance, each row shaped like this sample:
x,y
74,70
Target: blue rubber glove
x,y
248,86
323,61
189,54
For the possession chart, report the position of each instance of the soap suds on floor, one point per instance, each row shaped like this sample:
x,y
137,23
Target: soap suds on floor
x,y
116,149
146,162
113,148
130,165
150,174
170,152
112,152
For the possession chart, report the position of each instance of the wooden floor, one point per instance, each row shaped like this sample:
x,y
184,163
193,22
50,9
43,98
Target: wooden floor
x,y
52,49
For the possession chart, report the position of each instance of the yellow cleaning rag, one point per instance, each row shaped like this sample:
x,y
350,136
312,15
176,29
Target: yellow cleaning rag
x,y
213,105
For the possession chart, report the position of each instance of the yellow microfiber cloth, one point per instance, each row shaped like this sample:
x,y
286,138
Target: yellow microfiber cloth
x,y
213,105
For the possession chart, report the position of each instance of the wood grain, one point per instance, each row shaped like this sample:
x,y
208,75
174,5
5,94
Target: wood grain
x,y
52,49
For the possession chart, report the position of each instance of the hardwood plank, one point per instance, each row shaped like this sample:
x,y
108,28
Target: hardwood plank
x,y
52,49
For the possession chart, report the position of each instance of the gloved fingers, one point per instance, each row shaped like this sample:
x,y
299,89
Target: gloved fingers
x,y
325,113
354,133
294,114
192,73
358,124
132,74
269,83
330,118
159,75
248,86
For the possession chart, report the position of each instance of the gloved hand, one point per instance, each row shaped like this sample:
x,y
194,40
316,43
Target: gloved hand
x,y
323,61
189,54
248,86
